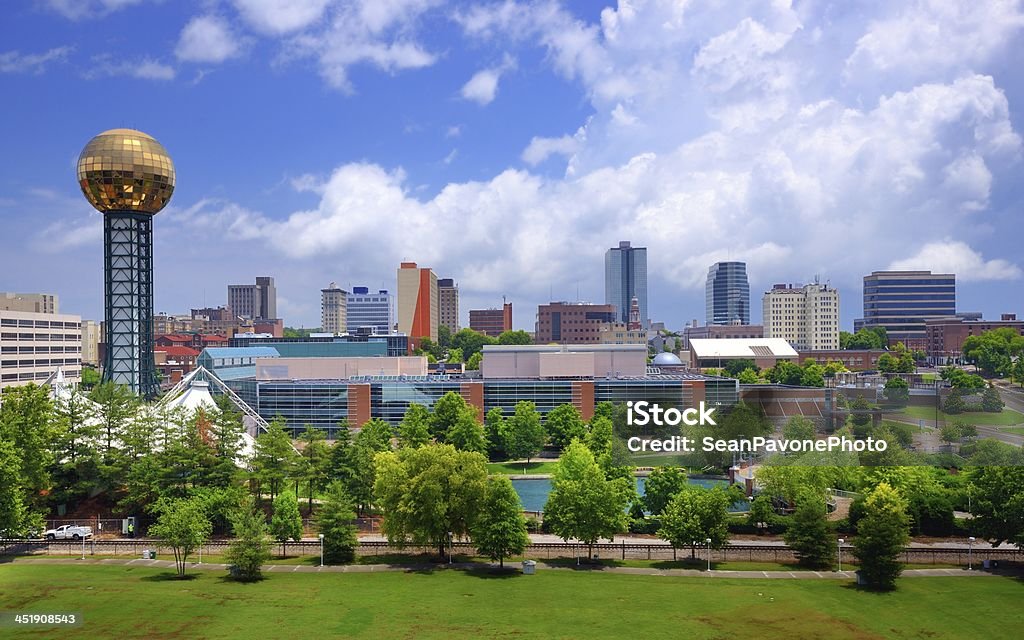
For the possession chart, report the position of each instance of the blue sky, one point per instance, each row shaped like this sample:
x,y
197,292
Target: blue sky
x,y
508,144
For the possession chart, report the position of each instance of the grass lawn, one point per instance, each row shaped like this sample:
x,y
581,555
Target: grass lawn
x,y
130,602
1005,418
1017,430
513,468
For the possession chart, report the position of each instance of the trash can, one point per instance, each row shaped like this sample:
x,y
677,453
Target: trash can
x,y
148,554
529,567
987,564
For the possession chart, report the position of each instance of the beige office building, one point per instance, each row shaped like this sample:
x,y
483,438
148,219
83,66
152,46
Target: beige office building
x,y
807,317
33,346
91,342
418,303
333,309
29,302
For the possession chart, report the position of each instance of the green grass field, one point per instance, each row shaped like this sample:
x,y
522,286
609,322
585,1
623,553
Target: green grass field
x,y
130,602
1006,418
513,468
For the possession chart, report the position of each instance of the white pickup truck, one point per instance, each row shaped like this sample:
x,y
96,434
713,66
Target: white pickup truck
x,y
68,532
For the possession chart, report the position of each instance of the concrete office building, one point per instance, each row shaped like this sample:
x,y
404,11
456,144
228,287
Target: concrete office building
x,y
91,342
902,301
945,336
625,278
254,301
491,322
29,302
333,309
33,346
727,294
418,306
807,317
448,304
572,322
365,309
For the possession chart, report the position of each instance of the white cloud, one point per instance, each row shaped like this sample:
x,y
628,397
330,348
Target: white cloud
x,y
207,39
448,159
950,256
540,149
145,69
76,9
17,62
483,86
278,17
453,131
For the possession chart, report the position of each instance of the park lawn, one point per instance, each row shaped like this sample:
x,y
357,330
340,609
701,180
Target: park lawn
x,y
133,602
1006,417
514,468
1015,430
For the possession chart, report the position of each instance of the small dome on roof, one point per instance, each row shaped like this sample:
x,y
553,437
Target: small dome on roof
x,y
666,358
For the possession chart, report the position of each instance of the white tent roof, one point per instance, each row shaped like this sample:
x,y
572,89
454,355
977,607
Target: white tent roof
x,y
742,348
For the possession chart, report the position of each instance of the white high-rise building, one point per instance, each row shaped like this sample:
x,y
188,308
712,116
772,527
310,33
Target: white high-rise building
x,y
807,317
370,309
35,345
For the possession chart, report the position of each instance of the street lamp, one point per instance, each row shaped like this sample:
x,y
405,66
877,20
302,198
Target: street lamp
x,y
83,547
970,548
451,544
321,536
841,541
708,541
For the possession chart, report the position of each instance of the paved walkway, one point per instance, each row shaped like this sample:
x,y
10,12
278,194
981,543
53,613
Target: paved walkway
x,y
541,566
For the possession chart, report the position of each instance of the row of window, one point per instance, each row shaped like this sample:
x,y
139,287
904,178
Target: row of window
x,y
39,324
43,362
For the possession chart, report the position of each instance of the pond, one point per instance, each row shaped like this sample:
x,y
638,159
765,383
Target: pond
x,y
534,491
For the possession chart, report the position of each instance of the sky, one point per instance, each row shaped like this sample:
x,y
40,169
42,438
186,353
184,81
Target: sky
x,y
509,144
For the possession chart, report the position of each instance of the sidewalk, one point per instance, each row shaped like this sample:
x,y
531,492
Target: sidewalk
x,y
475,566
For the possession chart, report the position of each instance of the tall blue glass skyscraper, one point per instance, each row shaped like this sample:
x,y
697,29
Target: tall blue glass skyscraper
x,y
625,277
727,294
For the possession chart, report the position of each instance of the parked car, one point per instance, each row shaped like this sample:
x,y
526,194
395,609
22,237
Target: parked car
x,y
68,532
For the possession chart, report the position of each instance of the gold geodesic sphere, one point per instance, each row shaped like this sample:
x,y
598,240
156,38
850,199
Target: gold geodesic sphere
x,y
126,170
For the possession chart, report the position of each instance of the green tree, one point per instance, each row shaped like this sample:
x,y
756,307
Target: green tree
x,y
694,515
949,433
998,503
286,523
786,372
454,355
500,529
27,421
583,504
809,534
734,367
874,338
882,534
990,400
494,427
274,459
960,379
226,430
13,512
467,434
448,409
563,425
813,374
860,416
183,526
955,403
118,406
316,456
474,361
78,468
748,376
897,391
429,493
799,428
741,422
373,438
1018,370
515,337
414,430
762,513
661,486
250,547
524,435
335,521
470,341
444,336
90,378
993,351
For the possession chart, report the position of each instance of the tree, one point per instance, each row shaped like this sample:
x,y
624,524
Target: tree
x,y
13,512
955,402
315,459
118,406
748,376
734,367
373,438
990,400
860,415
414,430
897,391
27,421
661,486
467,434
524,435
742,421
1018,370
799,428
813,374
183,526
274,460
809,534
494,427
786,372
474,361
960,379
454,355
448,409
583,504
470,341
694,515
949,433
429,493
78,468
873,338
882,534
998,503
762,513
993,351
250,547
286,523
500,529
90,378
225,431
335,522
515,337
563,425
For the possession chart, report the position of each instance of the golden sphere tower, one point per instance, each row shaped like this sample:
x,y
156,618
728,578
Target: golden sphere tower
x,y
128,177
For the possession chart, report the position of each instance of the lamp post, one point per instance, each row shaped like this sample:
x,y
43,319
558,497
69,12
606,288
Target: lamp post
x,y
321,536
451,544
83,547
708,541
970,548
841,541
